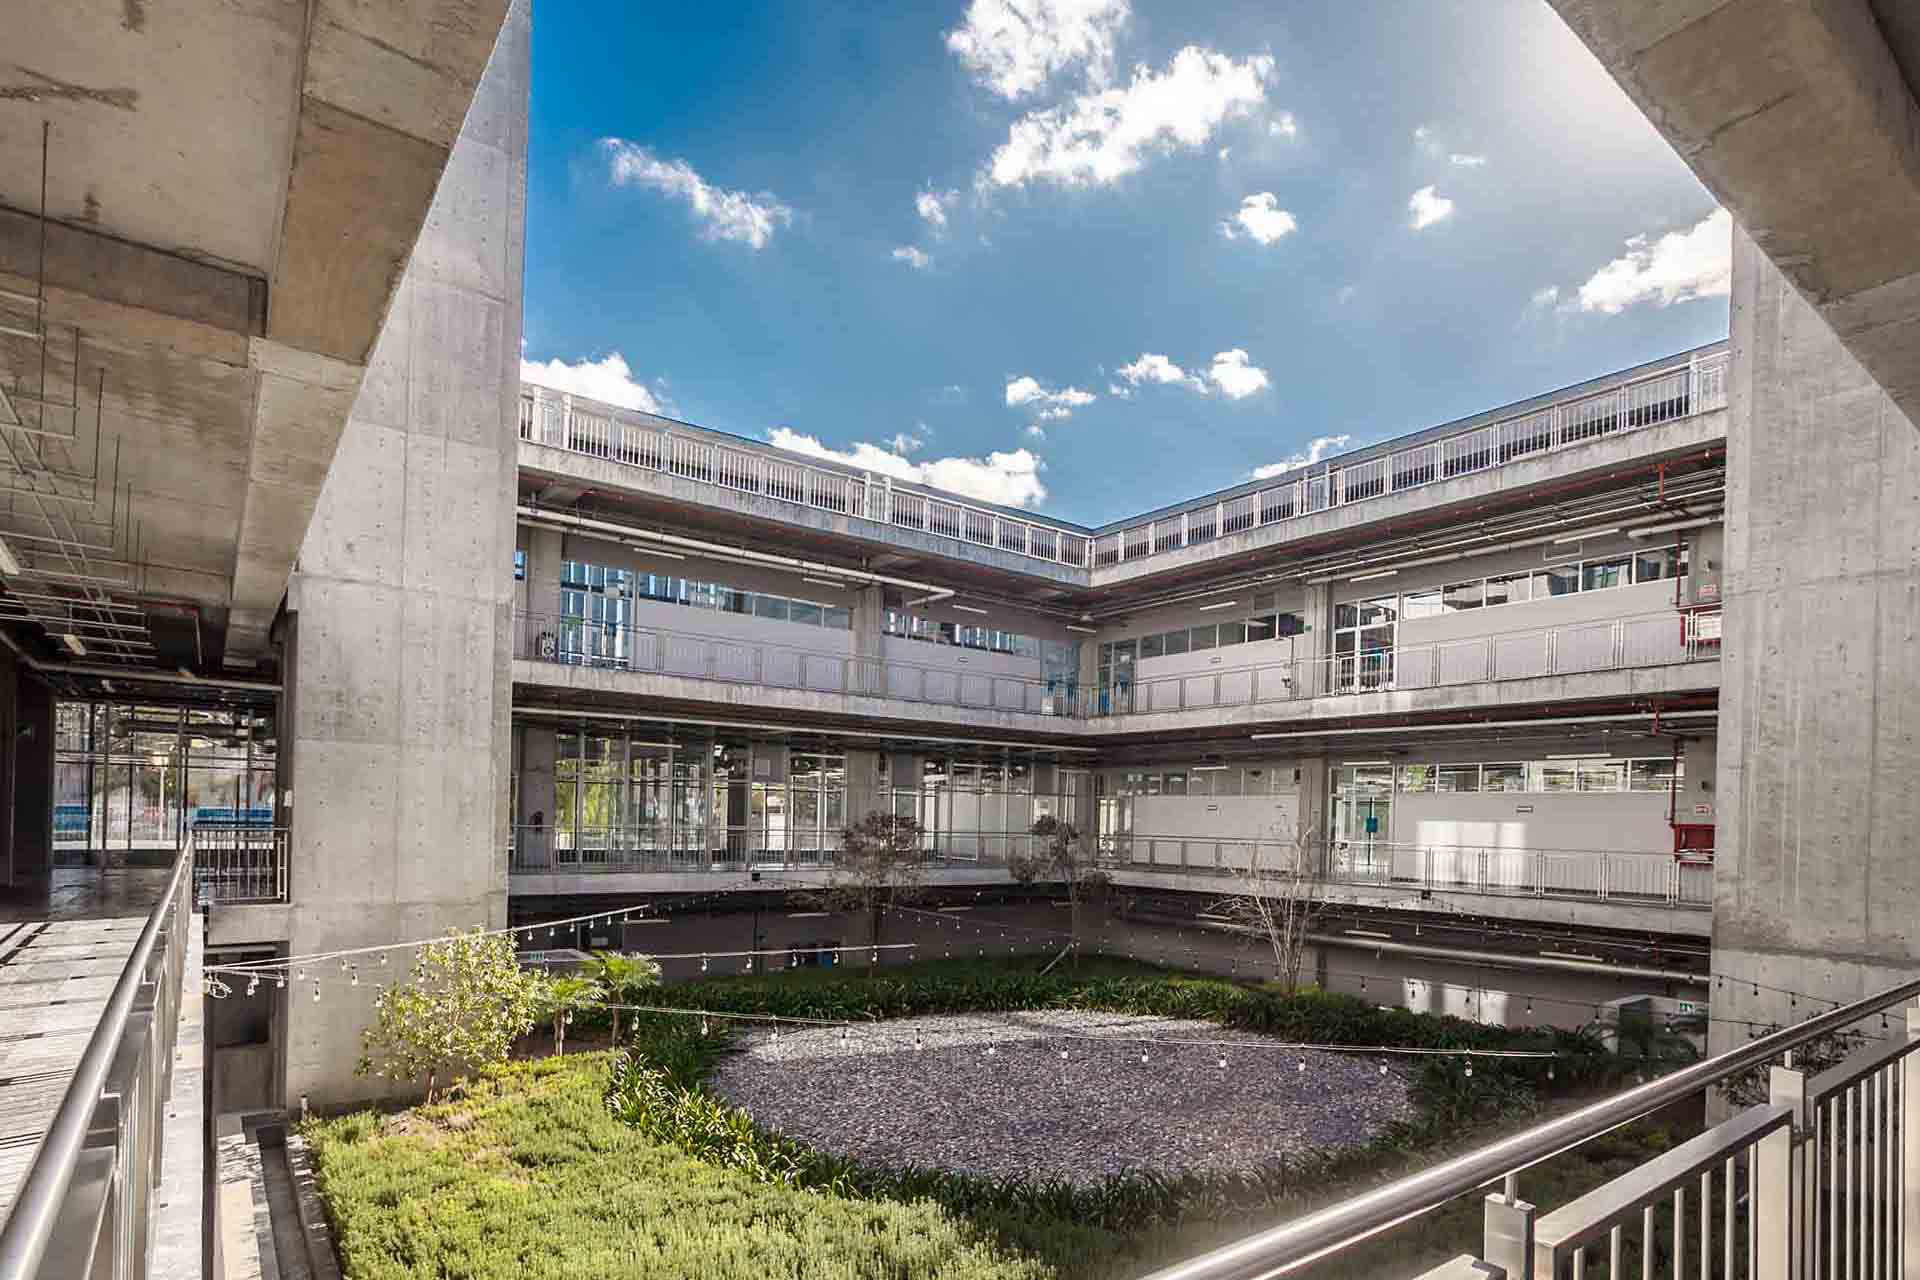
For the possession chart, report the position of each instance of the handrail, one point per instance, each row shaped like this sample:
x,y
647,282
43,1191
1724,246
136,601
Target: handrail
x,y
550,417
30,1225
1285,1248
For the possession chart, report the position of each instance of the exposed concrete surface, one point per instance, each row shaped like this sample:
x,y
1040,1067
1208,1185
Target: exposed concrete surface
x,y
177,1245
1797,115
1818,884
403,596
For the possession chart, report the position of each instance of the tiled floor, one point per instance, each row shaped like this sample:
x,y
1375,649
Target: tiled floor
x,y
84,893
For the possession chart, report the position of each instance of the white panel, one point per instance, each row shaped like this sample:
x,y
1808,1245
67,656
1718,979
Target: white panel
x,y
1516,657
1584,648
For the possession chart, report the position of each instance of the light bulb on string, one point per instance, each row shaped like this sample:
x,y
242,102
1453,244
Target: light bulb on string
x,y
1383,1068
703,1026
353,976
1469,1068
1301,1067
1143,1057
253,985
383,959
302,975
280,983
316,993
919,1043
992,1050
1223,1062
703,964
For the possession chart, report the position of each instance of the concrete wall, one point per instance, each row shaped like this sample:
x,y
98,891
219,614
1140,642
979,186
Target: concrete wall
x,y
31,746
1819,818
402,598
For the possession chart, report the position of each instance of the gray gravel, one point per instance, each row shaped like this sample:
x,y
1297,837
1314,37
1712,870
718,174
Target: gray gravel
x,y
1023,1110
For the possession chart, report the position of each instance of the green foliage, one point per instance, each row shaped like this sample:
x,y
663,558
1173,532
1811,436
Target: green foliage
x,y
461,1008
560,998
623,979
879,866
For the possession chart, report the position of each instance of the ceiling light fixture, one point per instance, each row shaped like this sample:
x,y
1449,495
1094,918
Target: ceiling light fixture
x,y
1368,577
1224,604
822,582
1074,626
73,643
967,608
1586,533
653,550
8,565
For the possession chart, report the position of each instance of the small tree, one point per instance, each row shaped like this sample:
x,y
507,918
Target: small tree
x,y
622,978
1061,853
461,1008
880,866
560,997
1279,899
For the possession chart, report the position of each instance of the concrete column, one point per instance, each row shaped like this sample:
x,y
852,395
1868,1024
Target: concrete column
x,y
1816,882
538,814
863,785
32,723
540,593
1314,815
404,598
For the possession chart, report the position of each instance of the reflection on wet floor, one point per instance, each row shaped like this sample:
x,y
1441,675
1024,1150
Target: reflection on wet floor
x,y
83,893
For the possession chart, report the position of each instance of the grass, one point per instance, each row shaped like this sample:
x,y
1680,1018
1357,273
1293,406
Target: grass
x,y
530,1172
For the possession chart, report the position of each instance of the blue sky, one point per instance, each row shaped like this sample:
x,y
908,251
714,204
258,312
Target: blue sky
x,y
1091,256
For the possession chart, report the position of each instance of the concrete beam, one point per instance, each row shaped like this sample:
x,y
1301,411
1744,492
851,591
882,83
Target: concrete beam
x,y
1797,115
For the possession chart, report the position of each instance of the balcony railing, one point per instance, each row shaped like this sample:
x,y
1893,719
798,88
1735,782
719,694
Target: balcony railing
x,y
612,646
238,862
1813,1183
552,418
1643,640
1628,879
1695,387
86,1205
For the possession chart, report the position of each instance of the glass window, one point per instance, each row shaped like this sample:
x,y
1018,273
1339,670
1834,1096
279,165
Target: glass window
x,y
1511,590
1554,775
1462,595
519,565
1652,775
1561,580
1602,775
1346,615
1292,624
1266,601
1457,777
1422,604
1175,641
1264,627
1232,633
731,601
804,611
1503,777
703,595
1658,563
1597,575
839,618
1152,646
1416,778
774,607
1199,638
1176,784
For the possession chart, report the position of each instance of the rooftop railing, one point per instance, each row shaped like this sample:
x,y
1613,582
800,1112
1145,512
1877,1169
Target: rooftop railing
x,y
553,418
1814,1182
85,1207
556,419
1670,394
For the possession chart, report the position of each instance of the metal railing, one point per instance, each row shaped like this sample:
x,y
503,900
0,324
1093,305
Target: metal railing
x,y
1698,386
1645,640
612,646
237,862
85,1205
693,848
1629,879
553,418
1811,1184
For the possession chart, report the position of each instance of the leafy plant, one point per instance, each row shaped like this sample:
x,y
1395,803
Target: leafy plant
x,y
624,979
561,997
1279,898
879,867
462,1006
1063,854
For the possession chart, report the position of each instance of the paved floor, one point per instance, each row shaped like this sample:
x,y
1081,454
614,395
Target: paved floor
x,y
83,893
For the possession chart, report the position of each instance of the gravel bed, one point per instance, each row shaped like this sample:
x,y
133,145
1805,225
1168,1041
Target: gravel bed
x,y
990,1094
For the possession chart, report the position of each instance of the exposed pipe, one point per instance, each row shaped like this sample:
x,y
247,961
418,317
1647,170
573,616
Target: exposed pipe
x,y
1466,725
134,673
562,519
561,713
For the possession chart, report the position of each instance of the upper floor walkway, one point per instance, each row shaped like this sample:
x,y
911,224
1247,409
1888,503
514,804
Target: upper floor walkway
x,y
1646,411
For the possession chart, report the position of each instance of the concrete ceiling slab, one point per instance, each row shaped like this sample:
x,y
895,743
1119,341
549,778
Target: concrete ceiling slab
x,y
233,191
1801,117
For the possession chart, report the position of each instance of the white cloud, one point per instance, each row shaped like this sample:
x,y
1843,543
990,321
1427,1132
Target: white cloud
x,y
932,205
903,443
1317,449
1037,431
1235,377
1547,296
1427,208
1283,125
1261,218
607,378
1014,46
1119,392
1678,267
1425,138
1463,160
915,258
1151,367
1345,295
725,215
1102,136
1047,404
1010,479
